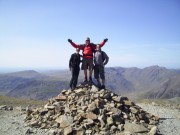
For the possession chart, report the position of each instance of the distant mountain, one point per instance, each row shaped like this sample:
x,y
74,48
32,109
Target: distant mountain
x,y
30,84
26,74
38,89
153,82
117,82
9,81
150,82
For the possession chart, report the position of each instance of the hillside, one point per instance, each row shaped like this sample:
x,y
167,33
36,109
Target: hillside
x,y
153,82
150,82
9,81
30,84
38,89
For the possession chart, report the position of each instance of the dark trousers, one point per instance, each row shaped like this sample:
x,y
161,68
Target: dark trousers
x,y
74,78
99,71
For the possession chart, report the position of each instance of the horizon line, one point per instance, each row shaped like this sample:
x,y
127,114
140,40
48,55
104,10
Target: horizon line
x,y
41,69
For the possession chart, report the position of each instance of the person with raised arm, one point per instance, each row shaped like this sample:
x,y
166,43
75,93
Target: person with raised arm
x,y
88,50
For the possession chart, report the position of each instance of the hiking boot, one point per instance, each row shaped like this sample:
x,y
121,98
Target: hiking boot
x,y
90,80
72,87
99,85
103,87
85,81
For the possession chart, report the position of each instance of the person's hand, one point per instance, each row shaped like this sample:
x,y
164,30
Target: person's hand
x,y
69,40
105,40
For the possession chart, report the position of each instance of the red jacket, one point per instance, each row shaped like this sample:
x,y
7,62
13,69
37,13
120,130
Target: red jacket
x,y
87,49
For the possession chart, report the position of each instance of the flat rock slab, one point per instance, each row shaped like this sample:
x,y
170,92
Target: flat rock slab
x,y
135,128
60,98
65,120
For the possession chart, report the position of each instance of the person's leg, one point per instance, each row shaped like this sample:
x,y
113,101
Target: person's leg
x,y
99,83
91,66
72,78
96,75
76,77
103,84
90,74
101,70
85,75
84,67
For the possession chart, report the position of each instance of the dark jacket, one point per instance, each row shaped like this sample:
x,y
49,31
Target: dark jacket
x,y
75,60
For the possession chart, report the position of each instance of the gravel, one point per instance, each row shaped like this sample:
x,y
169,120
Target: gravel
x,y
12,123
169,118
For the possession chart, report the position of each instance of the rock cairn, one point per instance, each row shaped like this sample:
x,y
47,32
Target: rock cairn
x,y
89,111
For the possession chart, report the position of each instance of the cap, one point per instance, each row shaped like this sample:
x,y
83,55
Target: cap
x,y
87,39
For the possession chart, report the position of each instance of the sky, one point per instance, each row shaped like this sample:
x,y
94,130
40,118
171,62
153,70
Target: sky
x,y
141,33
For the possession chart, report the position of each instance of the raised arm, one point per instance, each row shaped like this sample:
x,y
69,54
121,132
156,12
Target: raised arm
x,y
81,47
72,43
103,43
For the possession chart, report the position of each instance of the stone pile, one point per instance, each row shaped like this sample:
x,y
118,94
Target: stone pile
x,y
87,110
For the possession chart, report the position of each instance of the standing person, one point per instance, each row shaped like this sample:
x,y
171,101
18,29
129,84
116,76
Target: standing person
x,y
100,60
87,62
74,63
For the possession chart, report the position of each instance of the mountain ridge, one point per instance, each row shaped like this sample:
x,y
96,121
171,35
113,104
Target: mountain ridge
x,y
149,82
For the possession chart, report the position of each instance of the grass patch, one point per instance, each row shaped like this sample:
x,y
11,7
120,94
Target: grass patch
x,y
10,101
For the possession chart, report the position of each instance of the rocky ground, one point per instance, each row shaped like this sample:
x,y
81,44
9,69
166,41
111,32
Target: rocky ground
x,y
12,118
169,117
12,121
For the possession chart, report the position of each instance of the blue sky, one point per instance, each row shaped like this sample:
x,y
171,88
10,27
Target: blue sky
x,y
141,33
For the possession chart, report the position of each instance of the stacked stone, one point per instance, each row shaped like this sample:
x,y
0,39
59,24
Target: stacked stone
x,y
87,110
